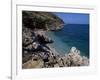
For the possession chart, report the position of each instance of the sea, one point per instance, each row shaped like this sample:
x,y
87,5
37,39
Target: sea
x,y
71,35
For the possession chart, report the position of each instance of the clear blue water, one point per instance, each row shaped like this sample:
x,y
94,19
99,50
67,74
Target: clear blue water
x,y
71,35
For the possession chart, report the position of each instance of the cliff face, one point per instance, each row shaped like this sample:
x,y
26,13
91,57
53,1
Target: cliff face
x,y
33,39
41,20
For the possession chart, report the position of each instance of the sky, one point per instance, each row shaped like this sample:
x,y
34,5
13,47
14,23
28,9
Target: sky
x,y
74,18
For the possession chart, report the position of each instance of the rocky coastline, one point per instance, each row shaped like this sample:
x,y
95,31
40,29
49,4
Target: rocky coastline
x,y
36,51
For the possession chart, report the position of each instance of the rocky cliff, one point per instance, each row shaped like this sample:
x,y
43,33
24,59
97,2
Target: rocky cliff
x,y
34,25
36,52
41,20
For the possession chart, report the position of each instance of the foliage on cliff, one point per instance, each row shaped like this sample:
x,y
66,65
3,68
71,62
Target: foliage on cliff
x,y
41,20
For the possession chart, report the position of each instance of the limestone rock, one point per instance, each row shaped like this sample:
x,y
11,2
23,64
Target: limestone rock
x,y
75,59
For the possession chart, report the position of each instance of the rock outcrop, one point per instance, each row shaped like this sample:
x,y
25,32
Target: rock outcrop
x,y
46,60
34,25
73,58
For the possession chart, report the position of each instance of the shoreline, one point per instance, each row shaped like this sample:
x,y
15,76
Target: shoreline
x,y
67,40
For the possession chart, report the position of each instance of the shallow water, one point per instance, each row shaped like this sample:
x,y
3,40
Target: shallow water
x,y
71,35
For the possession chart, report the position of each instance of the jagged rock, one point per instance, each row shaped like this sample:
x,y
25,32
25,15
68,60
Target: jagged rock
x,y
75,59
60,62
26,36
35,57
43,39
45,58
74,50
56,65
48,59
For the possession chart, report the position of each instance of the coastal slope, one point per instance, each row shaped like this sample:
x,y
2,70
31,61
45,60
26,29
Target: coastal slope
x,y
36,51
41,20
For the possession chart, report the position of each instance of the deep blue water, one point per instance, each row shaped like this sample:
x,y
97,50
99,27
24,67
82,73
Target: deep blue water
x,y
71,35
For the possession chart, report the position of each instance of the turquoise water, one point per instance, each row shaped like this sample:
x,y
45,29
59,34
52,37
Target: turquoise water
x,y
71,35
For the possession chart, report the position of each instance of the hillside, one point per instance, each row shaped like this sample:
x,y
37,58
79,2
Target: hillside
x,y
41,20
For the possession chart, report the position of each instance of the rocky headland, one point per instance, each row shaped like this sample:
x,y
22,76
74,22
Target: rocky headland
x,y
36,51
